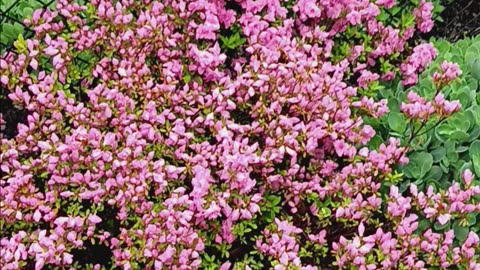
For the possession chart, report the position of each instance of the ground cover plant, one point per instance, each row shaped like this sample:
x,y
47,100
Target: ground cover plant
x,y
446,147
229,135
449,144
12,14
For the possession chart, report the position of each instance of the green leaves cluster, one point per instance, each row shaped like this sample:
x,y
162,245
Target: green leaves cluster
x,y
441,149
232,39
455,143
14,11
232,42
401,14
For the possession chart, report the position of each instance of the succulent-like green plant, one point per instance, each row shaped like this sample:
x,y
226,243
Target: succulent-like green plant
x,y
441,149
454,144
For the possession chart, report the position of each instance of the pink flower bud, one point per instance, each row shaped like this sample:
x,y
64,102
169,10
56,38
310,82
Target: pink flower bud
x,y
94,219
467,177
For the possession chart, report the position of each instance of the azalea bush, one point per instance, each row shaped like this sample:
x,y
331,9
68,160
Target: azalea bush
x,y
224,135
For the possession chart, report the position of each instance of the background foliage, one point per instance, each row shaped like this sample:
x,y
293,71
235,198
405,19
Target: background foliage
x,y
277,217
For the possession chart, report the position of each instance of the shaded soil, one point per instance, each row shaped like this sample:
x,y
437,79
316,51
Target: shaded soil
x,y
461,19
11,115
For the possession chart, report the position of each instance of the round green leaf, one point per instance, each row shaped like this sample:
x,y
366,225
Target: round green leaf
x,y
420,164
475,156
475,70
474,134
459,136
396,121
423,225
435,173
472,218
443,46
27,12
393,105
475,110
461,232
438,153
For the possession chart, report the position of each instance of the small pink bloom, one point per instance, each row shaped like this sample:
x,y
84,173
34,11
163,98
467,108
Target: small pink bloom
x,y
94,219
443,218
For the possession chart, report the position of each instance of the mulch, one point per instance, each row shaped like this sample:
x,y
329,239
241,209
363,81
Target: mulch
x,y
461,19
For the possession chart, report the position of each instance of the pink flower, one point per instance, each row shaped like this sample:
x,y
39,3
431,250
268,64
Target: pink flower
x,y
467,177
421,57
366,78
340,147
423,16
386,3
226,266
94,219
443,218
208,28
449,72
354,17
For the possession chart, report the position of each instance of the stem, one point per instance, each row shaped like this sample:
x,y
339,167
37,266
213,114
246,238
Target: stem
x,y
432,127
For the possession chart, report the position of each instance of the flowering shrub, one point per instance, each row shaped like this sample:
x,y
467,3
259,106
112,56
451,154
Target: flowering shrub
x,y
178,135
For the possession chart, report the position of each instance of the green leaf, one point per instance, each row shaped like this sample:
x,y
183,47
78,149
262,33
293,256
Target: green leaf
x,y
459,121
20,44
420,164
27,12
440,227
396,121
8,31
444,130
393,105
472,85
436,173
474,134
459,136
475,110
383,16
438,153
442,46
471,54
375,142
187,78
472,218
475,156
404,186
423,225
198,79
452,155
274,200
461,232
475,68
5,4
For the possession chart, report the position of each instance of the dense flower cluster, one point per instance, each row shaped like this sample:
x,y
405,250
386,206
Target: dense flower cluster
x,y
168,146
449,72
418,108
435,247
421,57
423,16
